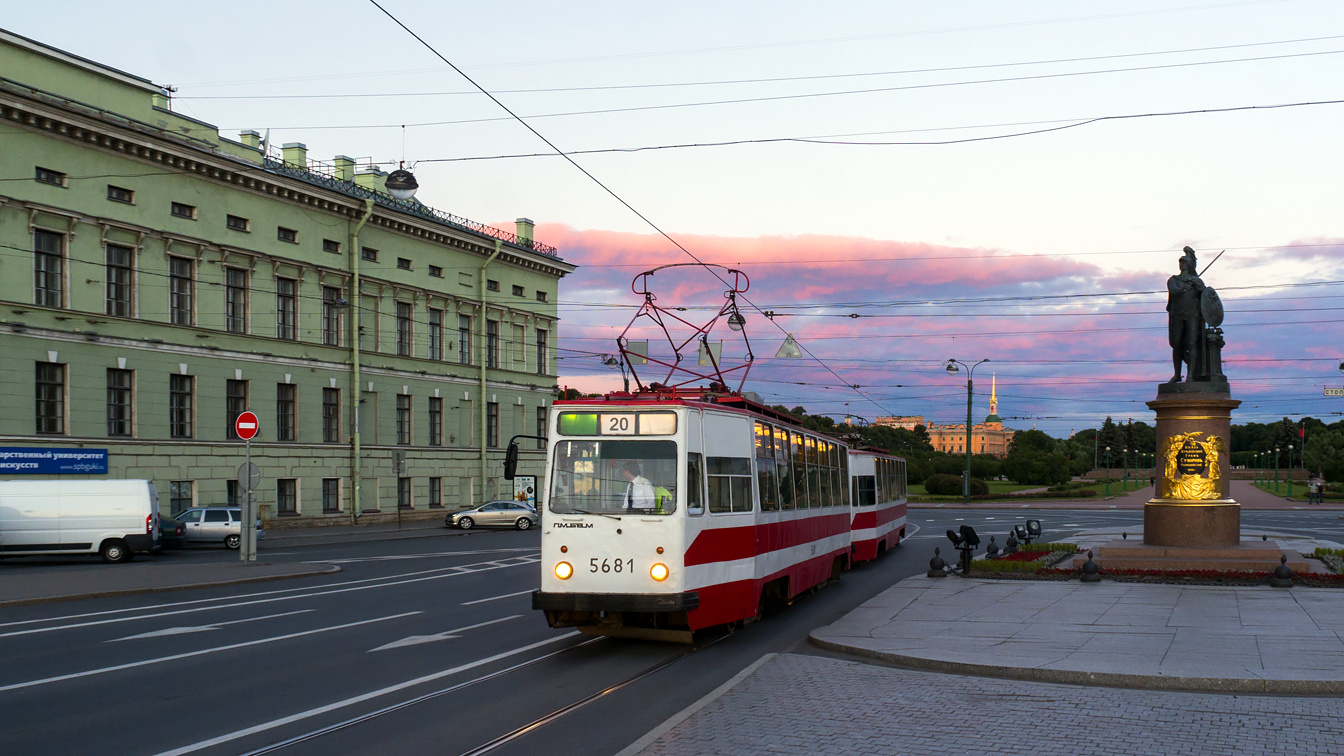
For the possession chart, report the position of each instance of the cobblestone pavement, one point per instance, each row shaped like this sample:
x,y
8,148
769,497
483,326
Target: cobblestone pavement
x,y
800,704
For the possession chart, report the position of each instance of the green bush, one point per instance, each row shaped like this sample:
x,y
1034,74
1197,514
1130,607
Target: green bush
x,y
940,484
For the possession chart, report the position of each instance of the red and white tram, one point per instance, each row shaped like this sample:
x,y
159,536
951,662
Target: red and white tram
x,y
879,497
677,510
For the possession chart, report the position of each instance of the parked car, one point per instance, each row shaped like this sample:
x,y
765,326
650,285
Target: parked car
x,y
172,532
502,513
216,525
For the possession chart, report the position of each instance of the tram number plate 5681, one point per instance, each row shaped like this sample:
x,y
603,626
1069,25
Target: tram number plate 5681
x,y
611,565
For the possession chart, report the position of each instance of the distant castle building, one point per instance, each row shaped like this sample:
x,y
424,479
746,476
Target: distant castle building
x,y
989,437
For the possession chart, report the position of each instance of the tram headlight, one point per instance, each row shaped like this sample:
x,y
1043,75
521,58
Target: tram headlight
x,y
659,572
563,570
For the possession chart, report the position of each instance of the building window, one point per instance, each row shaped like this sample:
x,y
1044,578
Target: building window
x,y
403,263
118,402
541,296
435,493
435,334
543,342
238,223
180,495
332,246
180,210
235,404
232,493
491,285
286,411
403,419
50,394
492,424
435,421
518,291
48,176
369,253
180,400
435,271
181,272
286,308
331,316
118,276
287,235
48,269
235,300
331,495
541,427
287,496
403,493
120,194
492,343
403,329
331,416
464,339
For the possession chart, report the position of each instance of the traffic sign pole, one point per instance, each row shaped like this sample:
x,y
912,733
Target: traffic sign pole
x,y
247,426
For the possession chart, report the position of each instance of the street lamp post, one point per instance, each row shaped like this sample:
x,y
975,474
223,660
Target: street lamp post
x,y
1276,469
951,368
618,361
1125,457
1108,471
1289,471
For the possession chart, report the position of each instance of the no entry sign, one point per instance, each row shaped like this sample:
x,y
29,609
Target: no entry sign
x,y
246,425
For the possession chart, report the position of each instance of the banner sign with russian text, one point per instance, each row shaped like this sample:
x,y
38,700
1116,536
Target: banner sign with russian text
x,y
33,460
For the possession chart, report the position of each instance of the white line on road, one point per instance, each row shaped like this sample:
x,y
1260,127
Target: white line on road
x,y
355,585
227,737
495,598
201,628
397,557
415,640
158,660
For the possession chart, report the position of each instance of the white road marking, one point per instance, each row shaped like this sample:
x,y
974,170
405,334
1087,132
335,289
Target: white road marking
x,y
174,657
400,557
231,736
201,628
434,574
415,640
495,598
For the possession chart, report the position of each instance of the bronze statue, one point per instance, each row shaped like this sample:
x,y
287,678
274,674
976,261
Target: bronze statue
x,y
1185,325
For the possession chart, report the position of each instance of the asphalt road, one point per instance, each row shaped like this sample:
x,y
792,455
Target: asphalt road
x,y
423,645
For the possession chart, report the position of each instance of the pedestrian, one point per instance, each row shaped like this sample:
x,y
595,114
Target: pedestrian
x,y
1313,491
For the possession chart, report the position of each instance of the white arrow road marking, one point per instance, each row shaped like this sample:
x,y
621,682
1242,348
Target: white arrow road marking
x,y
174,657
495,598
415,640
274,723
201,628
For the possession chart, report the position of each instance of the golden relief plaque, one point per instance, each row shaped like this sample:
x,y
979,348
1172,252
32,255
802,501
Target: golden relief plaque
x,y
1192,466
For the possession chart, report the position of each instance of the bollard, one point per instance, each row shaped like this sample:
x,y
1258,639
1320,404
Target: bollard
x,y
1091,570
1283,574
992,550
937,567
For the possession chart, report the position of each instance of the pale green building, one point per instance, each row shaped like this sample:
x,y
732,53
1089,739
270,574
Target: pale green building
x,y
157,279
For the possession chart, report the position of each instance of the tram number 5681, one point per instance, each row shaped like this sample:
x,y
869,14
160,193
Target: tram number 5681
x,y
608,565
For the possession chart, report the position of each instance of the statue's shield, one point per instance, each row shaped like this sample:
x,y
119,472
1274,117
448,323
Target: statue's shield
x,y
1211,307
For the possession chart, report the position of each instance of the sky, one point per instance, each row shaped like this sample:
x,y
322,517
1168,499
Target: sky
x,y
972,179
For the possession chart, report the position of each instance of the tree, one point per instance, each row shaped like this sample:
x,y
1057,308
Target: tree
x,y
1109,436
1031,440
1325,454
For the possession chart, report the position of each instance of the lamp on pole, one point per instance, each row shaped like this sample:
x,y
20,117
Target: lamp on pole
x,y
1255,467
951,368
618,362
1289,471
1124,455
1276,469
1108,471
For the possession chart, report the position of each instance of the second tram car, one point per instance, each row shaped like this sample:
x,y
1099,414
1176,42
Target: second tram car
x,y
879,496
671,512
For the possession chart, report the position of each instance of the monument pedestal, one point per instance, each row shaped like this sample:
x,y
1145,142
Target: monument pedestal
x,y
1193,507
1243,556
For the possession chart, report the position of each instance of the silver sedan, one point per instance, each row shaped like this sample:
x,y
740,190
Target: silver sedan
x,y
513,514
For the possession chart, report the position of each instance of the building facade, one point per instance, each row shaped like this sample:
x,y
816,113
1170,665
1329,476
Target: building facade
x,y
988,437
160,279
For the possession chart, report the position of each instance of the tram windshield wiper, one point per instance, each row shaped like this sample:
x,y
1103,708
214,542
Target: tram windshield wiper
x,y
576,510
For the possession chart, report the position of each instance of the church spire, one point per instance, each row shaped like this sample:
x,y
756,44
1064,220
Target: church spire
x,y
993,400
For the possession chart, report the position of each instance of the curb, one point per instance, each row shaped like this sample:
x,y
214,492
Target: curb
x,y
327,570
1250,685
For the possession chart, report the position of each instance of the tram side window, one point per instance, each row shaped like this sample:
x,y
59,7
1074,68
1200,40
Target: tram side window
x,y
844,476
826,466
900,479
799,471
783,470
813,475
695,484
865,491
765,468
729,484
836,496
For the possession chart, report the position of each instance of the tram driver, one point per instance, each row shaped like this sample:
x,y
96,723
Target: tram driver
x,y
639,493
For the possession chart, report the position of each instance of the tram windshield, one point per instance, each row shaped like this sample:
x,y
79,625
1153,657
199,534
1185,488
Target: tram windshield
x,y
614,477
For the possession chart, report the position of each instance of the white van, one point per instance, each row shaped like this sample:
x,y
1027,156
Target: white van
x,y
115,519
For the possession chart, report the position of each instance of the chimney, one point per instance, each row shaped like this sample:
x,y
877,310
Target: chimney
x,y
525,227
345,168
371,178
296,154
250,138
